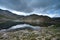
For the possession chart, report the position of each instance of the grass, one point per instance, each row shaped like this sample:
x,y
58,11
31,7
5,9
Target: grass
x,y
46,33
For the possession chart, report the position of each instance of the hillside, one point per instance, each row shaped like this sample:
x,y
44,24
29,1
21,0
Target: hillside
x,y
5,14
8,15
35,20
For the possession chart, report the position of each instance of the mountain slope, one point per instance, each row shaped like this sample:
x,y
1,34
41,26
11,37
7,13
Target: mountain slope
x,y
9,15
36,18
30,19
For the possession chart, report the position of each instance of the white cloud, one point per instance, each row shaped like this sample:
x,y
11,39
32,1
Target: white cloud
x,y
3,8
35,12
45,14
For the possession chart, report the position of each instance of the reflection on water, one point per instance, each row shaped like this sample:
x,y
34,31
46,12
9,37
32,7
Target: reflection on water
x,y
23,26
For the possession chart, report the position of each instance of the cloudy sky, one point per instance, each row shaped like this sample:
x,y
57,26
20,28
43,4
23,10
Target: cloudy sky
x,y
26,7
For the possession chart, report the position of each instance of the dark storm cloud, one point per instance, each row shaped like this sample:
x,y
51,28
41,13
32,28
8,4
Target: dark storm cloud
x,y
57,7
19,5
29,5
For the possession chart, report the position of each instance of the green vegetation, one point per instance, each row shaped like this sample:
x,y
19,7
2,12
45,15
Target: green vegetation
x,y
1,16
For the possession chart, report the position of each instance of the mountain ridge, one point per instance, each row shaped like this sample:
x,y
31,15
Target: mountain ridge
x,y
30,19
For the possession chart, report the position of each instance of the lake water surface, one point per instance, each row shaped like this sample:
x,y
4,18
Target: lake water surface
x,y
22,26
